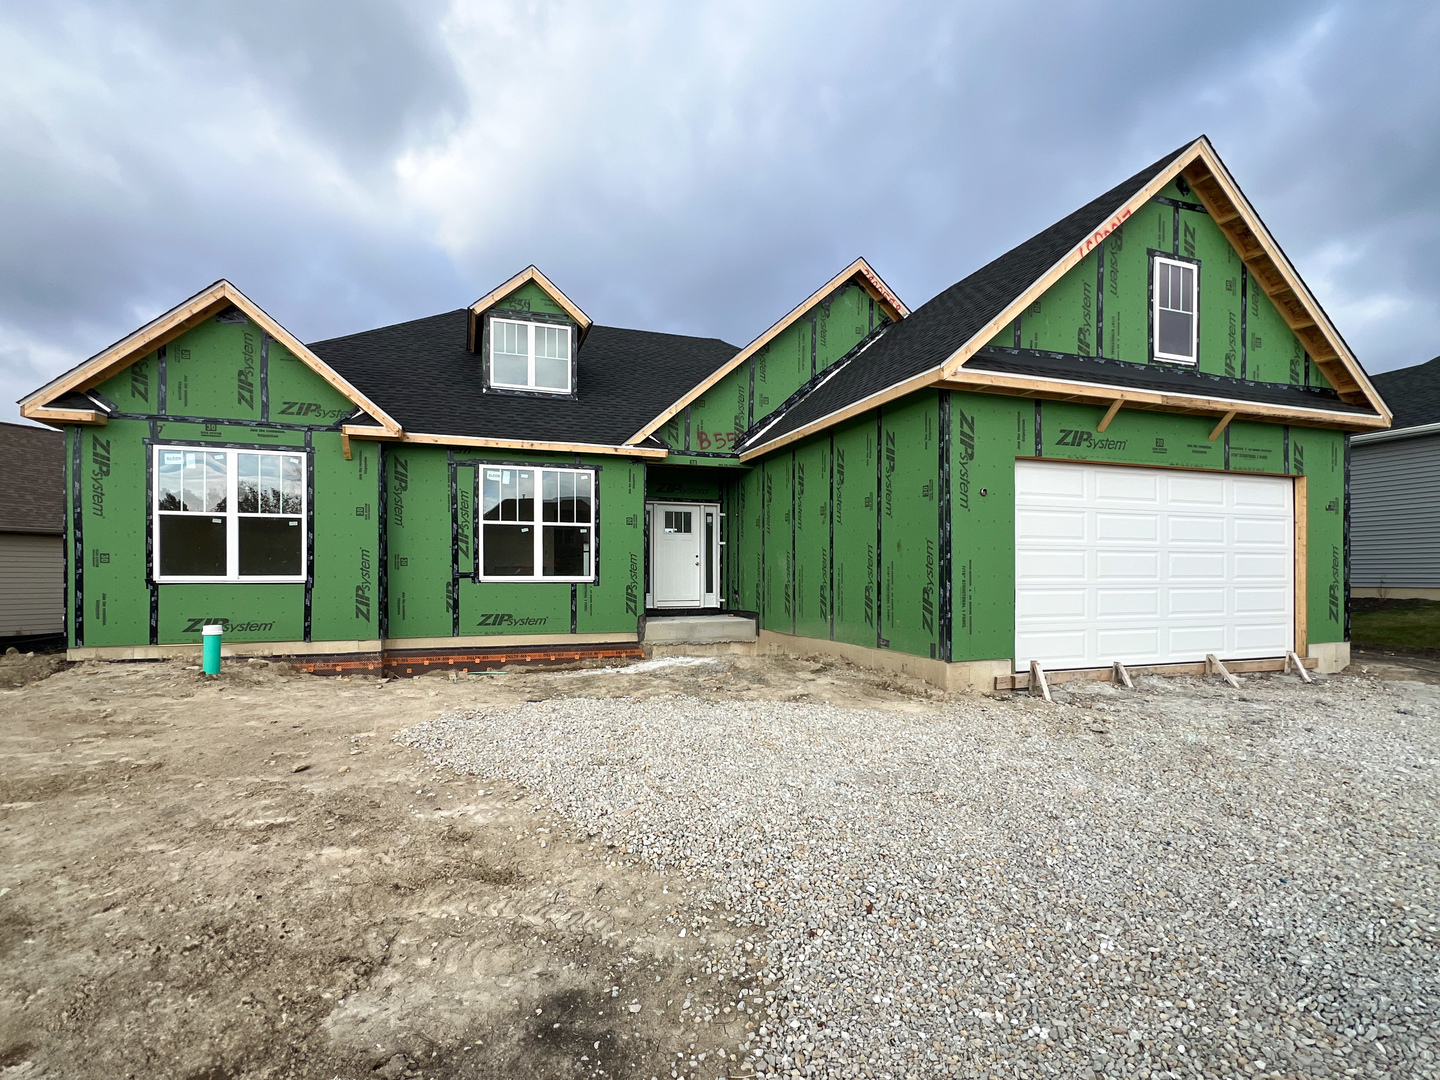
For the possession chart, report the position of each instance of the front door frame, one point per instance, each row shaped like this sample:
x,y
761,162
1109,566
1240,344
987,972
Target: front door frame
x,y
707,524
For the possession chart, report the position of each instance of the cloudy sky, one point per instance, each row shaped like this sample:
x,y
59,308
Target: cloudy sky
x,y
695,167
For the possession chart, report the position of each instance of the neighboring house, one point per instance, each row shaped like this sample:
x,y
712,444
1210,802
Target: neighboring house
x,y
1395,491
1122,440
32,537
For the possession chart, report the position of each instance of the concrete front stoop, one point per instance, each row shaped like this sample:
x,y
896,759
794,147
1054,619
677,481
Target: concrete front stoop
x,y
685,630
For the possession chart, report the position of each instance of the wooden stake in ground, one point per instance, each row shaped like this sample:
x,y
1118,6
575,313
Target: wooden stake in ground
x,y
1037,678
1214,667
1293,662
1118,674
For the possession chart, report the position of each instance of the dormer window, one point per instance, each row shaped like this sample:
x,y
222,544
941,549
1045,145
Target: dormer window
x,y
530,356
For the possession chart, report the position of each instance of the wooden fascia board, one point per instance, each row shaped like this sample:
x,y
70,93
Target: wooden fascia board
x,y
1205,153
153,334
61,417
532,273
1103,394
860,269
657,453
172,324
881,397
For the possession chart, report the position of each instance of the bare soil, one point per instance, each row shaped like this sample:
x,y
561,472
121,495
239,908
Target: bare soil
x,y
243,876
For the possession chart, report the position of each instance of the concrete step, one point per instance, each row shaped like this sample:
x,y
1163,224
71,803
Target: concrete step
x,y
697,629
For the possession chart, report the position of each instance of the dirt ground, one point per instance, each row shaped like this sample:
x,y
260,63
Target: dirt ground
x,y
245,877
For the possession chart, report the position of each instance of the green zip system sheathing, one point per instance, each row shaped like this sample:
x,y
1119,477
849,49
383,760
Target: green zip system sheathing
x,y
831,540
404,513
1101,306
805,349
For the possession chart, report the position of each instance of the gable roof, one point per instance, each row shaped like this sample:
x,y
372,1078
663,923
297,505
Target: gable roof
x,y
531,273
432,383
858,272
56,403
32,499
934,343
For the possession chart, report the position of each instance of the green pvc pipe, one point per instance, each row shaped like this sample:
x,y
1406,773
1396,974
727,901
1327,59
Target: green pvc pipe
x,y
211,634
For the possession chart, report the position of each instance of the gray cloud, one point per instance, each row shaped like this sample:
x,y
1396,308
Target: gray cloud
x,y
697,168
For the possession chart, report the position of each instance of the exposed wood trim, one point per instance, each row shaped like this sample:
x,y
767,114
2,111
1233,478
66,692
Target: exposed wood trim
x,y
1102,394
859,271
1037,680
1148,465
924,379
345,445
1213,666
1021,680
60,417
655,453
1292,663
1109,415
1301,509
1222,425
176,321
530,273
1210,180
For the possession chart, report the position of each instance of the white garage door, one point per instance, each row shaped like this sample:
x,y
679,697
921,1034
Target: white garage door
x,y
1150,566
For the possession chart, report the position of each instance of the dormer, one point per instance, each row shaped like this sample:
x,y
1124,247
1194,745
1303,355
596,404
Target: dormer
x,y
527,334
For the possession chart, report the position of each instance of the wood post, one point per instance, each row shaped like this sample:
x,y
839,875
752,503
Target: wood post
x,y
1037,678
1118,674
1292,663
1215,667
345,445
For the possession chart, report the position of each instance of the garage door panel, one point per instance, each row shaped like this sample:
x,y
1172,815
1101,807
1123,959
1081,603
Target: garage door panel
x,y
1067,647
1126,489
1261,639
1150,566
1127,645
1195,528
1112,526
1196,490
1127,566
1197,566
1051,485
1052,603
1110,602
1050,524
1191,602
1270,532
1050,565
1262,602
1258,569
1191,642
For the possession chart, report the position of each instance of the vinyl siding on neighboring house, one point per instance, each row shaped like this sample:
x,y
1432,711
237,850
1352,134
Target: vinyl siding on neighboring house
x,y
1395,514
32,582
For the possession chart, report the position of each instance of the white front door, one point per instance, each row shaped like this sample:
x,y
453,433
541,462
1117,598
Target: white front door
x,y
683,554
1150,566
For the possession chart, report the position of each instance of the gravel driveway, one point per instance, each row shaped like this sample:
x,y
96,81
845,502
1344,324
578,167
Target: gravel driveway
x,y
1179,880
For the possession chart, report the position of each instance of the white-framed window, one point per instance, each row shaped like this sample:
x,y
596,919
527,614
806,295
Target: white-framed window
x,y
529,356
1175,295
536,524
229,515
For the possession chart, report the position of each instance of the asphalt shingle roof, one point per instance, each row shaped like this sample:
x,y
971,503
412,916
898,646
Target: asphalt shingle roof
x,y
423,375
933,331
1413,393
32,483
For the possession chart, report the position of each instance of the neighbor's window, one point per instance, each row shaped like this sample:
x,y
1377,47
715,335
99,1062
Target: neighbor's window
x,y
529,356
229,515
1176,285
537,524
